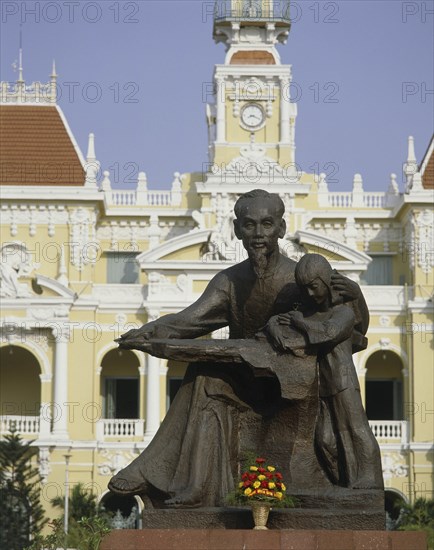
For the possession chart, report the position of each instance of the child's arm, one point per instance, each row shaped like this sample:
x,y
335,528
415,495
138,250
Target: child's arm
x,y
337,328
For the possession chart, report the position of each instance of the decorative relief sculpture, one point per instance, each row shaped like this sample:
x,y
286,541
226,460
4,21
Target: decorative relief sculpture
x,y
15,262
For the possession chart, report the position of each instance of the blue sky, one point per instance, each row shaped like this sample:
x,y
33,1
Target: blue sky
x,y
133,72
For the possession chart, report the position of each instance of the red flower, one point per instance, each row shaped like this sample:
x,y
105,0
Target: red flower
x,y
262,470
278,475
278,485
260,460
252,477
245,476
264,484
247,483
269,475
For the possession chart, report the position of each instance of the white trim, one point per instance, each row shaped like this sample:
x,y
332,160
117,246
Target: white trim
x,y
173,245
58,193
72,138
56,287
366,354
113,346
354,256
36,351
427,157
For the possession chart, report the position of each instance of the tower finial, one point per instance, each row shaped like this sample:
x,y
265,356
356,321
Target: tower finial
x,y
91,148
410,166
411,157
53,70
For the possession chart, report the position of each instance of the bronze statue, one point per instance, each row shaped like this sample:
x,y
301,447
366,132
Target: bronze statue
x,y
349,451
245,397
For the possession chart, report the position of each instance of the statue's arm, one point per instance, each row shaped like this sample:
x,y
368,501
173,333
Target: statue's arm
x,y
208,313
334,330
351,292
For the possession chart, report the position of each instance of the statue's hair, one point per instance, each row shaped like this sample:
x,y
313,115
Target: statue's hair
x,y
259,194
313,266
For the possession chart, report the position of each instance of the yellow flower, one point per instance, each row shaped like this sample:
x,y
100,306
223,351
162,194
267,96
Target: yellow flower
x,y
240,484
283,487
271,468
253,468
278,494
271,485
261,477
257,484
247,491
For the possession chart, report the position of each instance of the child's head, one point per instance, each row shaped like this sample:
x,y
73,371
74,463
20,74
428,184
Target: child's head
x,y
313,274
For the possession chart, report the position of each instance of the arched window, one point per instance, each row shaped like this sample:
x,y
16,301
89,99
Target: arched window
x,y
252,9
384,388
120,385
393,501
124,510
20,384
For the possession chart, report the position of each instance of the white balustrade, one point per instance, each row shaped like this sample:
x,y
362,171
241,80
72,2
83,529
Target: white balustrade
x,y
122,197
119,427
390,430
344,199
374,200
22,424
159,198
340,199
128,197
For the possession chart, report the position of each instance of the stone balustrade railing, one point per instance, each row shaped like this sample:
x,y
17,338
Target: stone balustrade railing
x,y
22,424
344,199
129,197
119,427
390,430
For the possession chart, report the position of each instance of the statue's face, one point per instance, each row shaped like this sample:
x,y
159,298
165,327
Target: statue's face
x,y
318,291
260,226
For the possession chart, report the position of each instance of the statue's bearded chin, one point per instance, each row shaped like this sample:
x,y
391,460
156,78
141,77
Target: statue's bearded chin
x,y
259,260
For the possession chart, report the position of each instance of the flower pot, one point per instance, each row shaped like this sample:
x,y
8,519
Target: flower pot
x,y
260,511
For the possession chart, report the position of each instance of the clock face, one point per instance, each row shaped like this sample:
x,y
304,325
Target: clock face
x,y
252,115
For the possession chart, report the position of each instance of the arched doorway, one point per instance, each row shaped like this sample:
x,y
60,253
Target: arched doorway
x,y
20,388
384,386
120,385
393,501
125,511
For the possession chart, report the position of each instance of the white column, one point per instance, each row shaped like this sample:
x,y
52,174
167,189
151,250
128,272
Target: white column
x,y
285,110
220,110
60,401
152,397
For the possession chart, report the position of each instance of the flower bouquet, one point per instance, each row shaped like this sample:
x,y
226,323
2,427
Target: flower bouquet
x,y
262,487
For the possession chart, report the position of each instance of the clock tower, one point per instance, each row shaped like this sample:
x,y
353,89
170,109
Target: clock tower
x,y
251,116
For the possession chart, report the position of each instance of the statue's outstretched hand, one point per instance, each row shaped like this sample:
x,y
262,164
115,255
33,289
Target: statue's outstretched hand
x,y
349,290
136,334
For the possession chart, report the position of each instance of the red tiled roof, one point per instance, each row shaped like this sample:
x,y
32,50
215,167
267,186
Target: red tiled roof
x,y
35,148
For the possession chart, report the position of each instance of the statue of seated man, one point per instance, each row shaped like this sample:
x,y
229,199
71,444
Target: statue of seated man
x,y
193,459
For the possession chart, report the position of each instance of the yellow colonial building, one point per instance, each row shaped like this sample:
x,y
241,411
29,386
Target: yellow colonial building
x,y
81,263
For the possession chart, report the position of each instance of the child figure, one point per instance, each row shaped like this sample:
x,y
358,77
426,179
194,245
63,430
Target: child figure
x,y
345,443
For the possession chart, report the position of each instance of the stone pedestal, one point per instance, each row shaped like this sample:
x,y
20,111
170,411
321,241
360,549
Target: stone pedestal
x,y
336,508
239,539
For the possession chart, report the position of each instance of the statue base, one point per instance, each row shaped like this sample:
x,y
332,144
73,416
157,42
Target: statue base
x,y
336,508
216,539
